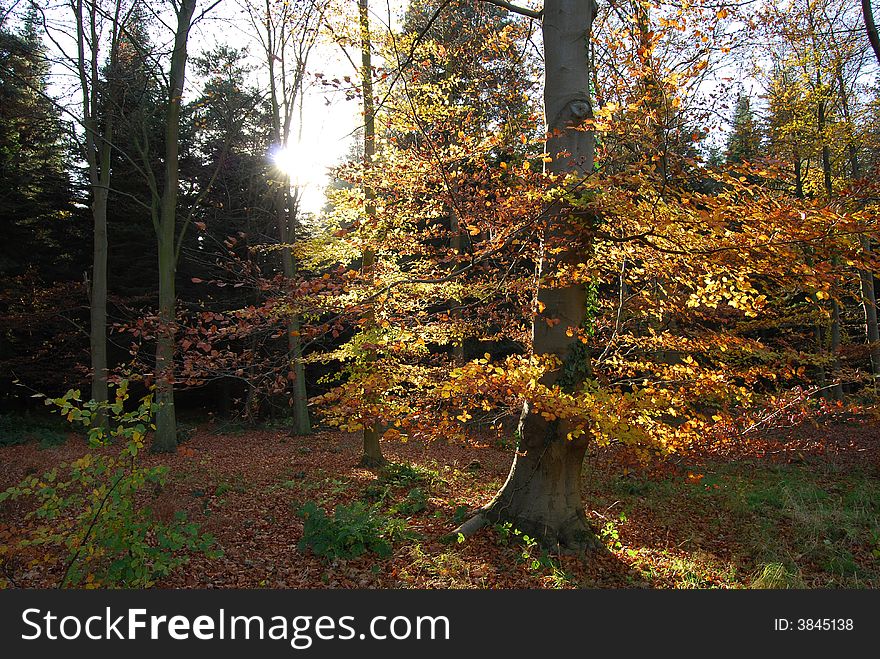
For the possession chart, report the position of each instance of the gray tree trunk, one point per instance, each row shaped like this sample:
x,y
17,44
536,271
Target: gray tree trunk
x,y
837,389
869,303
455,243
542,494
299,397
871,28
165,439
98,300
283,98
98,140
866,277
372,456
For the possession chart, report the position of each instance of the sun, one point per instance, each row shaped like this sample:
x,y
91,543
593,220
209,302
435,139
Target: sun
x,y
289,162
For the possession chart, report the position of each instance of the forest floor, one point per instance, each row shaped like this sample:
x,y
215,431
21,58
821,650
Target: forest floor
x,y
800,508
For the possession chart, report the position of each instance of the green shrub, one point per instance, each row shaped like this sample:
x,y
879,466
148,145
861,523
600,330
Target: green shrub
x,y
416,501
351,531
92,509
403,475
20,429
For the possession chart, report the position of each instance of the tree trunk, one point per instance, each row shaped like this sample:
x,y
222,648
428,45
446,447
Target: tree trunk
x,y
98,295
165,439
98,139
455,243
798,177
372,456
286,205
287,219
542,494
871,28
869,303
837,389
866,277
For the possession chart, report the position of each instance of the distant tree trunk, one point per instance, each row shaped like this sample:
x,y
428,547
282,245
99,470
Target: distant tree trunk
x,y
826,149
372,456
98,300
456,246
542,494
798,176
277,45
837,390
866,277
287,223
165,439
98,140
869,303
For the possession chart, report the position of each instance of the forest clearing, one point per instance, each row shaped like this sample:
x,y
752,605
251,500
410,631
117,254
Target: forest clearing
x,y
798,509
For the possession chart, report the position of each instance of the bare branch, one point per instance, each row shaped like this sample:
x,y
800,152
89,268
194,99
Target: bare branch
x,y
537,14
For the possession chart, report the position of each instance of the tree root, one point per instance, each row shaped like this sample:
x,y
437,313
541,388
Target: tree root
x,y
370,462
467,529
574,538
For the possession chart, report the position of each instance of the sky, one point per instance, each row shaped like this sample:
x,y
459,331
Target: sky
x,y
328,120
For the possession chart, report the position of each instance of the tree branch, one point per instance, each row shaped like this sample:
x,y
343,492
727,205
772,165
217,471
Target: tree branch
x,y
537,14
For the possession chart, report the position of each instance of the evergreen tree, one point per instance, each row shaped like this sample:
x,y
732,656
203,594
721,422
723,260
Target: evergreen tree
x,y
744,142
43,254
36,190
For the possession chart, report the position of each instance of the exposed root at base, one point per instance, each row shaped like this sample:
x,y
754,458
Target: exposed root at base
x,y
467,529
572,538
370,462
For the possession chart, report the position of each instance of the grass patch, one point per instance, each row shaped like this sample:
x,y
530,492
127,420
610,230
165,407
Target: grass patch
x,y
783,526
776,576
444,570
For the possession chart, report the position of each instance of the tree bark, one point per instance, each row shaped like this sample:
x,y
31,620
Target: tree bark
x,y
871,28
837,389
98,140
165,439
798,177
301,423
542,494
372,456
455,244
869,303
98,302
866,277
286,204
